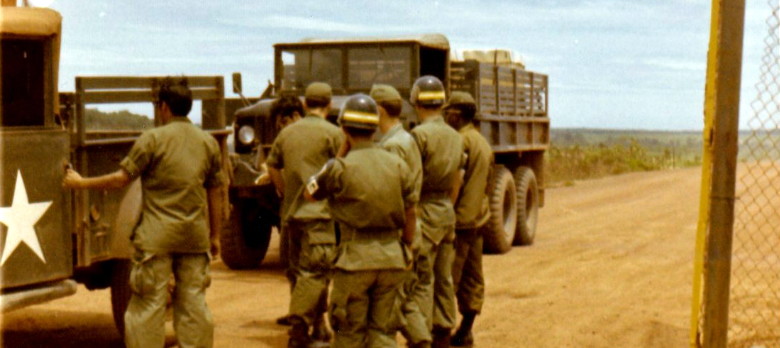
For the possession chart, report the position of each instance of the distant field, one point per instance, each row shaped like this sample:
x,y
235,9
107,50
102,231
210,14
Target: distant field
x,y
578,153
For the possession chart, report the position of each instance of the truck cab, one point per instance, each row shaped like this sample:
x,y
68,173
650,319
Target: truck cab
x,y
37,247
349,66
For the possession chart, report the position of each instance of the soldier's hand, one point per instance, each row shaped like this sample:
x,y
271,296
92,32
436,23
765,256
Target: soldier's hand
x,y
72,179
214,247
263,179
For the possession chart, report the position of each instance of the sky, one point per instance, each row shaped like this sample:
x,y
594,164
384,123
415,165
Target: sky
x,y
617,64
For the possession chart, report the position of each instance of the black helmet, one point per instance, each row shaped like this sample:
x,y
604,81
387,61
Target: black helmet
x,y
359,111
428,91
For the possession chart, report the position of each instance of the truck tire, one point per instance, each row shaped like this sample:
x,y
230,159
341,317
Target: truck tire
x,y
499,231
245,238
120,292
527,206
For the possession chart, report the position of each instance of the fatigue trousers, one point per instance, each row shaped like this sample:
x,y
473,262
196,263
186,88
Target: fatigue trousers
x,y
467,271
312,253
145,316
429,291
365,307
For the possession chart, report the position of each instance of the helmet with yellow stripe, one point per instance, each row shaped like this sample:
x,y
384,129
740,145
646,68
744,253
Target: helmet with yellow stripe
x,y
359,111
428,91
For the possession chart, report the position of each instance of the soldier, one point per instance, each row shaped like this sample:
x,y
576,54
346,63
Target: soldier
x,y
372,197
441,150
285,110
297,153
393,137
471,212
180,170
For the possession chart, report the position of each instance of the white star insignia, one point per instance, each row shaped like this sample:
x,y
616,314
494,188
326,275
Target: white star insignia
x,y
20,219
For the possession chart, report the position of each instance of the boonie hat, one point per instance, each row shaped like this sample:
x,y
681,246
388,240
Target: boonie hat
x,y
381,92
319,91
460,98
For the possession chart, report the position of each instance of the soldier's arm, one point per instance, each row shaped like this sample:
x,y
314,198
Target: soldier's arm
x,y
115,180
277,179
457,182
215,216
317,187
411,224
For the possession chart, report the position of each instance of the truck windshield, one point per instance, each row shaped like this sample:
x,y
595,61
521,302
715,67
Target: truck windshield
x,y
366,66
304,66
388,65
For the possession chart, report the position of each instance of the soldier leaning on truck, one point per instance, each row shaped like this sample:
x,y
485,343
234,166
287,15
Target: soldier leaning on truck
x,y
441,150
180,170
372,196
471,212
298,152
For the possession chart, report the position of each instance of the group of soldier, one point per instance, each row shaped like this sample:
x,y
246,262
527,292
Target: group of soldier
x,y
390,217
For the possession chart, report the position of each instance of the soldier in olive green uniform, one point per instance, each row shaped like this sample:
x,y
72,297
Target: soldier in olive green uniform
x,y
393,137
372,197
441,150
471,212
180,170
298,152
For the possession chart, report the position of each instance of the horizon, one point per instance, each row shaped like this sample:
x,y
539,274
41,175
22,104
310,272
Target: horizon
x,y
612,64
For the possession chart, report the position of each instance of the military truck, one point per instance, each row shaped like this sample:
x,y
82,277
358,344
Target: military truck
x,y
512,115
54,238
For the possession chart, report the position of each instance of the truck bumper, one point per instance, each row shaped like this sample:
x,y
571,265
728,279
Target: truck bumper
x,y
27,296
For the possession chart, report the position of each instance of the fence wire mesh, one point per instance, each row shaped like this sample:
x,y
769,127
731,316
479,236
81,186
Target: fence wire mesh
x,y
754,305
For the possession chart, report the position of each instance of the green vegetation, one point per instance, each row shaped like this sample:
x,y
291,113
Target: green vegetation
x,y
577,154
116,120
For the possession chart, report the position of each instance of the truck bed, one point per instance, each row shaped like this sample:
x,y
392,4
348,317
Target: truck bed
x,y
511,104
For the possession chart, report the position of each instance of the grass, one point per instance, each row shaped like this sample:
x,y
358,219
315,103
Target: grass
x,y
577,154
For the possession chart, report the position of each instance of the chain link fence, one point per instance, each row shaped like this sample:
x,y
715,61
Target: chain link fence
x,y
754,304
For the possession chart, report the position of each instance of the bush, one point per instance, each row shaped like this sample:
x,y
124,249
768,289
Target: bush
x,y
564,164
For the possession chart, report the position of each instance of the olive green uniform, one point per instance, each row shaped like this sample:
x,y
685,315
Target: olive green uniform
x,y
368,192
176,163
471,212
400,142
301,149
441,150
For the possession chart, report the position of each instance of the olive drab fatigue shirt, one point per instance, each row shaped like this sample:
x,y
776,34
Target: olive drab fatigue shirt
x,y
401,143
176,163
368,191
301,149
441,150
471,210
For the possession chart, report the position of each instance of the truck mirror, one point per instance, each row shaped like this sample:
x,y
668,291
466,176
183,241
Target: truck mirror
x,y
237,83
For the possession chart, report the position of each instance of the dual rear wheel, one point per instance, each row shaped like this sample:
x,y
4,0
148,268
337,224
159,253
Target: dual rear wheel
x,y
514,207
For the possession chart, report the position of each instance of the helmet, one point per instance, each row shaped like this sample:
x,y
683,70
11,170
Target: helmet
x,y
359,111
428,91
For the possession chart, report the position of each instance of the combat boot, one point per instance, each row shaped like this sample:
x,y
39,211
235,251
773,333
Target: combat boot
x,y
320,333
463,336
283,320
441,337
299,333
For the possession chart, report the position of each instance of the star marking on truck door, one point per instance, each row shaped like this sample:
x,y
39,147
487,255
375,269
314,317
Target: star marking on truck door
x,y
20,218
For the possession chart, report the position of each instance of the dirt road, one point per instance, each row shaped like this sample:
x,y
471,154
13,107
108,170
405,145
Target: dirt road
x,y
611,267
